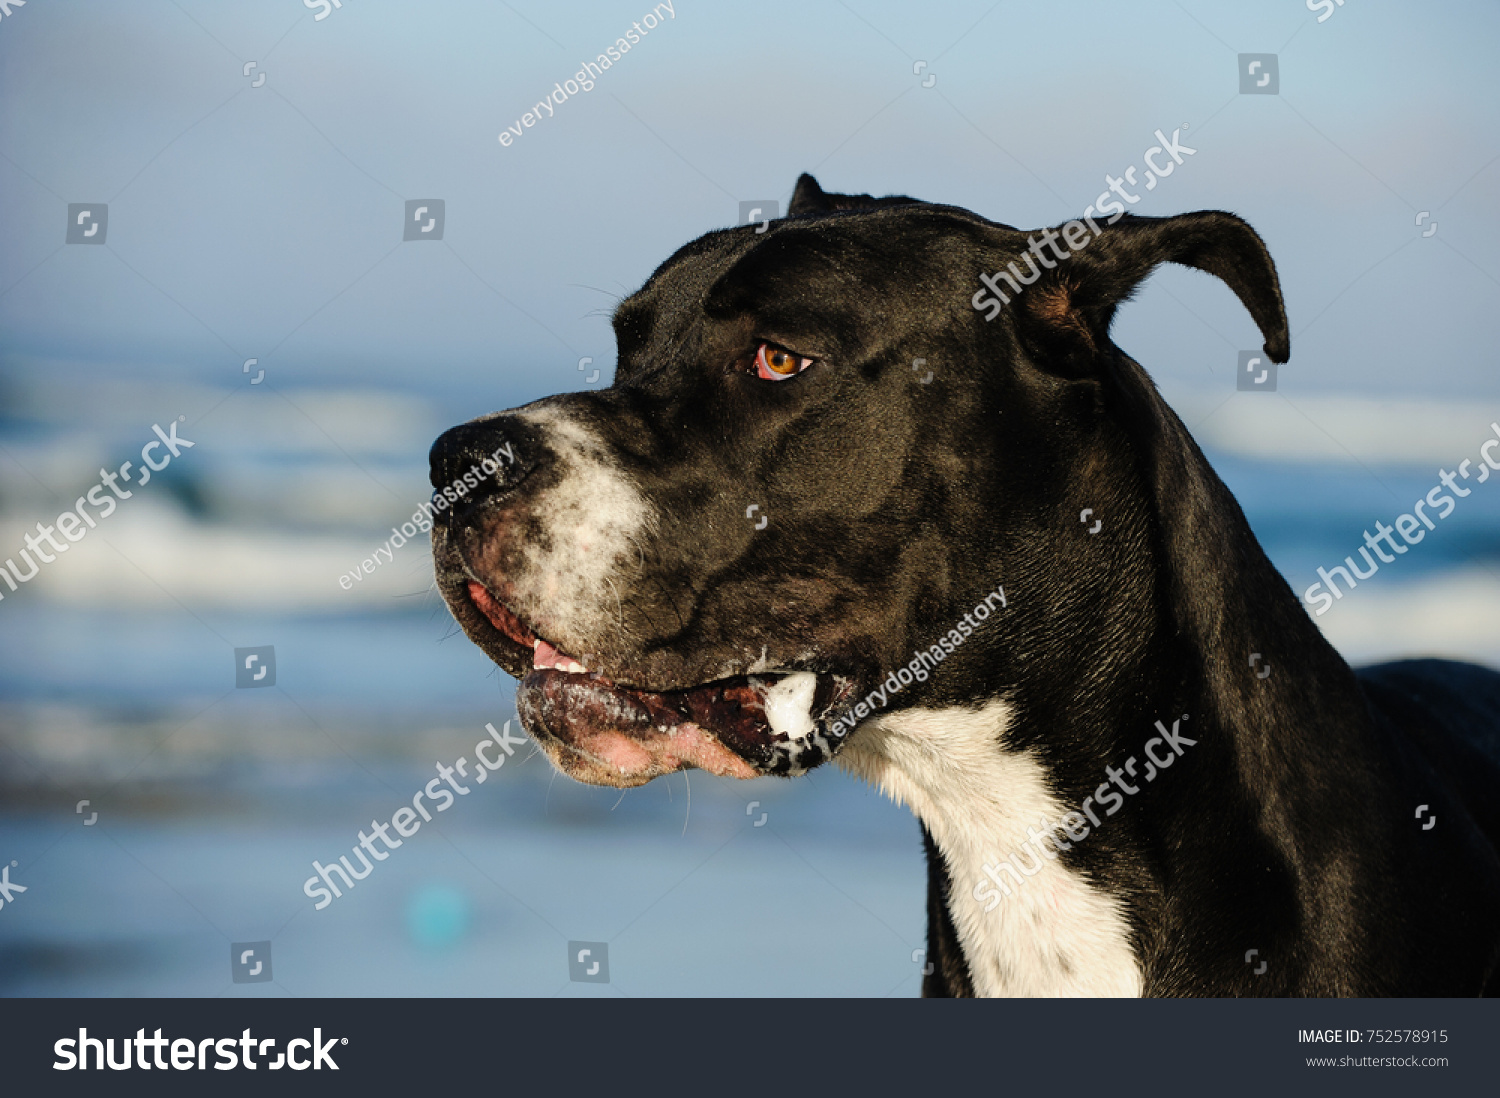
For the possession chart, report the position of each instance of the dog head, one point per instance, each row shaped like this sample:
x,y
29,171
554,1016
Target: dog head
x,y
822,458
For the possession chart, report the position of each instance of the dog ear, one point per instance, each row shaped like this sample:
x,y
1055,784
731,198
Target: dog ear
x,y
809,198
1063,312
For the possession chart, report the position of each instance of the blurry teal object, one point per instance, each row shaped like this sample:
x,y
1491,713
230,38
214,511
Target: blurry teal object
x,y
437,916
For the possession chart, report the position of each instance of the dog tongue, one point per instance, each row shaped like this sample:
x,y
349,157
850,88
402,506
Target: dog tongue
x,y
544,656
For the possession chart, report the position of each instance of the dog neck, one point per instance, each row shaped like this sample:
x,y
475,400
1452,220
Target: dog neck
x,y
989,778
1055,934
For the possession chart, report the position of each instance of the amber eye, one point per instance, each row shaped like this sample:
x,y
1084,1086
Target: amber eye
x,y
776,364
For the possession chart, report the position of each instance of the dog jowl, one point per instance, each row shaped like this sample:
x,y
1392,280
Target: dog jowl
x,y
716,562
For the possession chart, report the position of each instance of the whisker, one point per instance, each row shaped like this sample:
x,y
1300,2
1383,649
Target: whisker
x,y
616,298
619,607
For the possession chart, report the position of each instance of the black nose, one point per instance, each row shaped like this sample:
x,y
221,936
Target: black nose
x,y
473,461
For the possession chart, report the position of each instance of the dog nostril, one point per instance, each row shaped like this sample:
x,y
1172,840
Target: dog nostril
x,y
475,460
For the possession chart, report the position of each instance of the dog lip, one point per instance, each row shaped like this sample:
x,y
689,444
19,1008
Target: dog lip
x,y
578,706
579,710
544,654
501,616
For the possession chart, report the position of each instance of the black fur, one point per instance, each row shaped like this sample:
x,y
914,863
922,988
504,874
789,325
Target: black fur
x,y
894,506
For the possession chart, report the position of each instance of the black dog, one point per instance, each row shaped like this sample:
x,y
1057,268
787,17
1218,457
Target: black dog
x,y
825,456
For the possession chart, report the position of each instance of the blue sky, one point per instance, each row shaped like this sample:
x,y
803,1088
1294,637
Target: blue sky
x,y
265,222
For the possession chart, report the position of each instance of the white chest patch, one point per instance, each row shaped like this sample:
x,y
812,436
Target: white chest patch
x,y
1054,934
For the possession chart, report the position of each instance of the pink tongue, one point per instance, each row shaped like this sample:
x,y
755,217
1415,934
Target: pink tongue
x,y
544,656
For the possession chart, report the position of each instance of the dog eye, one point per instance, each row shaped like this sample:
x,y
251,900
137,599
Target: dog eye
x,y
778,364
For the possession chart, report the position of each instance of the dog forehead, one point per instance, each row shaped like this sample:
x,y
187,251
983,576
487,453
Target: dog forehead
x,y
684,276
814,264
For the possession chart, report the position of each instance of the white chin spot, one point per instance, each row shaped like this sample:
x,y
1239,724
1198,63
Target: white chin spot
x,y
789,705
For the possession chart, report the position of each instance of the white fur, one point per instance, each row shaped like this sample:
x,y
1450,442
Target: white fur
x,y
594,518
788,705
1056,934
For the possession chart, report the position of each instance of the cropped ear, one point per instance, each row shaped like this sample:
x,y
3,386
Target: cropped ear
x,y
1065,297
809,198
